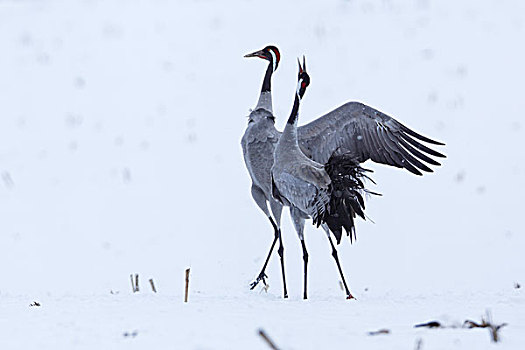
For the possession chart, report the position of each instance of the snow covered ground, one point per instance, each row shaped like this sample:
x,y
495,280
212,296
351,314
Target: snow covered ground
x,y
120,124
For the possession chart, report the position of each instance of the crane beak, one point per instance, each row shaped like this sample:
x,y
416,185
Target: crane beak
x,y
259,54
303,67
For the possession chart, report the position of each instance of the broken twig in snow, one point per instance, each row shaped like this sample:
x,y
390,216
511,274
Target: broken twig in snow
x,y
267,339
187,285
379,332
419,344
431,324
486,323
152,285
134,282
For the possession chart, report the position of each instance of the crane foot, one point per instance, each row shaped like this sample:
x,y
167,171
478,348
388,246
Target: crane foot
x,y
262,277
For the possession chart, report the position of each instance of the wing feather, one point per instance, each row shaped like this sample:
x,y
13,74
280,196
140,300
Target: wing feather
x,y
418,136
392,156
418,154
422,147
367,134
397,158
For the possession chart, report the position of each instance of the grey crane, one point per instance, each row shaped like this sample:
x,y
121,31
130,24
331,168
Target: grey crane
x,y
354,129
307,186
258,144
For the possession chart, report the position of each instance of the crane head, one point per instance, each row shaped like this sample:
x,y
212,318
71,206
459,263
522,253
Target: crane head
x,y
303,79
269,53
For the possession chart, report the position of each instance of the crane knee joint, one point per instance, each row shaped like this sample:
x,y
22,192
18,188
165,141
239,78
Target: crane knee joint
x,y
281,251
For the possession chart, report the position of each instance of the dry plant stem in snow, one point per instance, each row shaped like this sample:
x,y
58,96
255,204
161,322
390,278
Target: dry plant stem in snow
x,y
486,323
152,285
419,344
187,285
267,339
379,332
134,282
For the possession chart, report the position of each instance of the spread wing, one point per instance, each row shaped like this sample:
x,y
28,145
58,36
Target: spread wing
x,y
366,133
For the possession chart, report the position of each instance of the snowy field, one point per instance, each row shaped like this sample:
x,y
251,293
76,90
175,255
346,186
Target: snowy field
x,y
120,127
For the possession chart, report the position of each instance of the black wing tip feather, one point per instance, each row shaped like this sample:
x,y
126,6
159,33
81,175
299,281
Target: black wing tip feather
x,y
420,146
408,166
419,136
403,127
415,152
413,156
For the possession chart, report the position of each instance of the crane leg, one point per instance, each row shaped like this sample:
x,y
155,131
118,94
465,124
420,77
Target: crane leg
x,y
281,255
260,198
262,275
305,259
298,221
334,254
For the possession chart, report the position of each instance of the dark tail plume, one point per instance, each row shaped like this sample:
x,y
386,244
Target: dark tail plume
x,y
346,197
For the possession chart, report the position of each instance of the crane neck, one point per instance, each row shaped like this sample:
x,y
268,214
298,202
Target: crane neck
x,y
267,82
289,136
265,99
295,111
